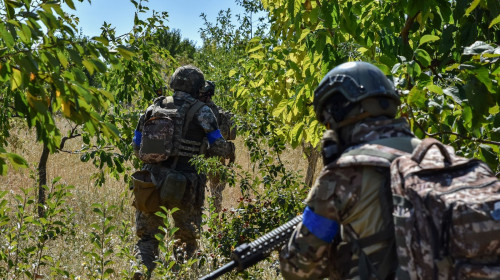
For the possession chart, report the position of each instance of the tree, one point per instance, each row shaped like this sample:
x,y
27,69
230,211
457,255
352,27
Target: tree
x,y
446,66
45,74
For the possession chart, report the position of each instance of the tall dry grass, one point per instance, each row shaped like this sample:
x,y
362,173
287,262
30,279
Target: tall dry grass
x,y
71,250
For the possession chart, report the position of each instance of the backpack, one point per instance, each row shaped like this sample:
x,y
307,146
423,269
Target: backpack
x,y
446,215
445,208
164,130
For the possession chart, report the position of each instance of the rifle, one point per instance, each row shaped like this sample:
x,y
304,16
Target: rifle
x,y
247,255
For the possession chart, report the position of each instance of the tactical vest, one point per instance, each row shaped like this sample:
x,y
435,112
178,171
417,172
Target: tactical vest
x,y
166,129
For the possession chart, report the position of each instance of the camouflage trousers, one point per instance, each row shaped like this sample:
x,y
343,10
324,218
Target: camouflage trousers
x,y
187,219
217,186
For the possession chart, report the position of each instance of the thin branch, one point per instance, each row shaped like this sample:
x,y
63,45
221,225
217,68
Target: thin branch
x,y
407,27
72,135
451,133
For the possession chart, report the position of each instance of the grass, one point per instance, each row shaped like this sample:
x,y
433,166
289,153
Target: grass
x,y
74,252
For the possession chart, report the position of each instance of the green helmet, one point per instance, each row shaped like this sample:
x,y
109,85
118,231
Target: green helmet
x,y
188,79
351,83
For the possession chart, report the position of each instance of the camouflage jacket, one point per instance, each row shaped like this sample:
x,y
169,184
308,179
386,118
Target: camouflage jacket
x,y
347,193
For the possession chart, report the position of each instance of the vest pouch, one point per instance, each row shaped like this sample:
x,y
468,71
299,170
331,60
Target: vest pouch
x,y
173,188
146,195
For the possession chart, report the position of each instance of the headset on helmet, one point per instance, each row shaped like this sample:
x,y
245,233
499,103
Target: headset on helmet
x,y
188,79
355,83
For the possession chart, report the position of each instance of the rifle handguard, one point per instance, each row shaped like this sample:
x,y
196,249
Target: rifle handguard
x,y
248,254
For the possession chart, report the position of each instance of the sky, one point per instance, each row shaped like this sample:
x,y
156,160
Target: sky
x,y
182,14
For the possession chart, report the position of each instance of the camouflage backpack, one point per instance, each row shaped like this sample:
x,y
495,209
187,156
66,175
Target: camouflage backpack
x,y
445,208
163,132
446,215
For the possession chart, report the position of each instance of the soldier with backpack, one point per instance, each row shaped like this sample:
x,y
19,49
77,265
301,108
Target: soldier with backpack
x,y
388,205
228,131
173,130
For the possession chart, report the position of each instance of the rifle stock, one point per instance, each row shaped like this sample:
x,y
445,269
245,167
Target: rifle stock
x,y
248,254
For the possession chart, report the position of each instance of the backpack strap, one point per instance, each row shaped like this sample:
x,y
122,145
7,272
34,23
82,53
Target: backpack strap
x,y
190,114
383,150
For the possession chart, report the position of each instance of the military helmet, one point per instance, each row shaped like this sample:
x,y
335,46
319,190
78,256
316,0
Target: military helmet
x,y
188,79
354,82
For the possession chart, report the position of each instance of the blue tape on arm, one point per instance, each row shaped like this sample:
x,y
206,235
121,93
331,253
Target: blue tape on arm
x,y
323,228
137,138
214,135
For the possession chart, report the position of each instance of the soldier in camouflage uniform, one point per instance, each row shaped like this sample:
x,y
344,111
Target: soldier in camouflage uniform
x,y
186,82
347,228
226,125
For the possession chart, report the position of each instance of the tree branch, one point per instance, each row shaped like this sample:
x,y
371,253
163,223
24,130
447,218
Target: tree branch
x,y
406,29
451,133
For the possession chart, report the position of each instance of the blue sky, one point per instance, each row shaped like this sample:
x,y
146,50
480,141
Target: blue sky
x,y
183,14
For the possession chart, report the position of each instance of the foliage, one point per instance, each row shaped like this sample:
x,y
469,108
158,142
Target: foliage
x,y
182,50
446,65
224,44
25,247
270,195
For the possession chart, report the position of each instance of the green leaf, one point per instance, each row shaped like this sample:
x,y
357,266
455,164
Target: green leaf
x,y
414,69
16,79
99,65
89,65
494,21
17,161
428,38
417,97
423,57
125,52
435,89
473,5
467,116
258,47
489,156
62,59
483,75
6,36
385,69
101,39
70,4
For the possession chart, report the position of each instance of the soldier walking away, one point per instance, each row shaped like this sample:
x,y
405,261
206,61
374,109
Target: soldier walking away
x,y
387,204
228,131
357,104
172,131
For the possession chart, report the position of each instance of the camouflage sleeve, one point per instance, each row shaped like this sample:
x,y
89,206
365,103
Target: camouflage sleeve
x,y
305,256
207,120
222,148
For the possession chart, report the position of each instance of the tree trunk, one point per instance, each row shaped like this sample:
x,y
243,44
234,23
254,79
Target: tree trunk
x,y
312,155
42,180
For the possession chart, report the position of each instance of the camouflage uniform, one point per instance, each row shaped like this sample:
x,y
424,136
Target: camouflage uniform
x,y
217,185
348,194
188,218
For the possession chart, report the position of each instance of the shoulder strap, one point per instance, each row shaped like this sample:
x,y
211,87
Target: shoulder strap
x,y
404,144
190,114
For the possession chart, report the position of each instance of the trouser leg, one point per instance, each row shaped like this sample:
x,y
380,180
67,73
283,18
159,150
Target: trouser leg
x,y
146,249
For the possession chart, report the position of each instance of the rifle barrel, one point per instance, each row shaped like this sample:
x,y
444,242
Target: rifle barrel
x,y
224,269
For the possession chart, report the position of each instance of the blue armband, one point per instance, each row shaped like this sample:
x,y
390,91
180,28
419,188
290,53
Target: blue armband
x,y
214,135
137,138
323,228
